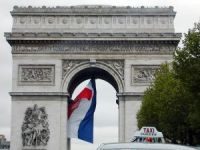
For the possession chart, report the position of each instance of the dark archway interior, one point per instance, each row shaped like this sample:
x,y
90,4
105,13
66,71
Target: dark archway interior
x,y
88,73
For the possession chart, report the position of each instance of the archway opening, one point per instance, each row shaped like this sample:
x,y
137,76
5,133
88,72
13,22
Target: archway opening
x,y
88,73
105,117
106,114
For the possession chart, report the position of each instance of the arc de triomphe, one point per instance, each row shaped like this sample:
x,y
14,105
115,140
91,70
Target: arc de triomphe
x,y
55,49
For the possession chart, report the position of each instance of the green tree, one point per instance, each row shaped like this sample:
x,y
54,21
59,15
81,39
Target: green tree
x,y
172,102
164,107
187,69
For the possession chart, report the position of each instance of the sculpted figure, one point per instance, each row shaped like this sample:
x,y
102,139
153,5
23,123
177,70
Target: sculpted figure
x,y
35,128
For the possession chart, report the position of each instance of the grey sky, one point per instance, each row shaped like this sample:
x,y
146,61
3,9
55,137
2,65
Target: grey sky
x,y
188,12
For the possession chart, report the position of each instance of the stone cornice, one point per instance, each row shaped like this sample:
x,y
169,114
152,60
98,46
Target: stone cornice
x,y
93,43
29,37
93,10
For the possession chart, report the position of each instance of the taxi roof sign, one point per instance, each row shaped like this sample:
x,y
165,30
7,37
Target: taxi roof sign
x,y
148,132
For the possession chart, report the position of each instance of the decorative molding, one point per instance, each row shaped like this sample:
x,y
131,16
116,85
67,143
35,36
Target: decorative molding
x,y
94,10
89,18
35,128
89,23
69,35
36,75
143,74
116,65
68,65
101,47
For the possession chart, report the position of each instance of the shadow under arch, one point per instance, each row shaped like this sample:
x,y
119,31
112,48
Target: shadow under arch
x,y
86,71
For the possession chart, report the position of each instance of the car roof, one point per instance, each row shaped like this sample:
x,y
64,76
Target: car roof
x,y
143,146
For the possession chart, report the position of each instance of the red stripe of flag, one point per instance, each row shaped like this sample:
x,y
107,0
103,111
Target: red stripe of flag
x,y
85,94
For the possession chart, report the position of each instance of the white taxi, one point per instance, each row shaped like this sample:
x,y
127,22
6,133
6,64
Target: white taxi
x,y
143,146
148,134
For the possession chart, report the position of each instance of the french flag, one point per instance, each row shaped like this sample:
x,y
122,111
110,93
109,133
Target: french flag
x,y
81,113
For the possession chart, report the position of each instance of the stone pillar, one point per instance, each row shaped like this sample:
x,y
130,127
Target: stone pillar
x,y
63,133
132,105
128,108
121,124
54,106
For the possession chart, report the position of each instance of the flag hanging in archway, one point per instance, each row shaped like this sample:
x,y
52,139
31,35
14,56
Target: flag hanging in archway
x,y
81,113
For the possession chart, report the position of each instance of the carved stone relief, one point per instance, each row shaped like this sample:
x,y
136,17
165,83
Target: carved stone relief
x,y
35,128
36,21
79,20
93,20
143,74
116,65
65,20
134,20
51,20
93,48
36,74
67,65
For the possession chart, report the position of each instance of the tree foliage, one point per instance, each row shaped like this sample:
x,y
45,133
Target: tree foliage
x,y
172,102
187,68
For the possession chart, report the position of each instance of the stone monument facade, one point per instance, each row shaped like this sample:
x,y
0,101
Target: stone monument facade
x,y
55,49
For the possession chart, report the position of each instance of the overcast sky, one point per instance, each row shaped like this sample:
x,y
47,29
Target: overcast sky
x,y
188,12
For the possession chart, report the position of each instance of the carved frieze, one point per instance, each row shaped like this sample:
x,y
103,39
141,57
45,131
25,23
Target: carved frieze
x,y
35,20
111,47
87,18
36,75
35,127
143,74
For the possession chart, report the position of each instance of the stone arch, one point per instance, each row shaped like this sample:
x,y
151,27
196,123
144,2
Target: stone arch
x,y
82,70
49,57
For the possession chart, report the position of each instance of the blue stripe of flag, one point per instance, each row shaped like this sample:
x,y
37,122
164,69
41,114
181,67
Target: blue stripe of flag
x,y
86,127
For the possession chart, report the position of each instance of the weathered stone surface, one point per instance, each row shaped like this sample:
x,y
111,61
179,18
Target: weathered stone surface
x,y
93,18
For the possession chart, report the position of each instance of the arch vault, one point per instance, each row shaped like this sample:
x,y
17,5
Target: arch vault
x,y
55,49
